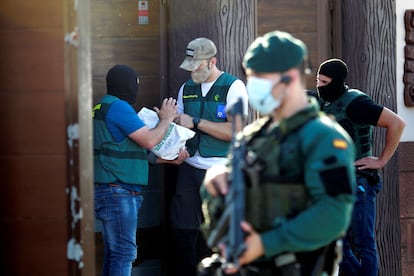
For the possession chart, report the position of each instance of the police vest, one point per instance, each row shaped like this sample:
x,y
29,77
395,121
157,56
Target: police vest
x,y
361,133
125,161
212,108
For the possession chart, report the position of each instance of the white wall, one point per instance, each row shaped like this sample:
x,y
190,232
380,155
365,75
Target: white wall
x,y
407,113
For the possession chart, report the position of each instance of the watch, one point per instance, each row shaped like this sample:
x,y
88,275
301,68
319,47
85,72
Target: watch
x,y
196,121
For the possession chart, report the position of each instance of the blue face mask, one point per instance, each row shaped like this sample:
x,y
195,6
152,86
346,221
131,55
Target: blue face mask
x,y
260,95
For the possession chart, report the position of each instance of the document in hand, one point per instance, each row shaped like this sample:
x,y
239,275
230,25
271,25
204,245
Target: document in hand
x,y
174,139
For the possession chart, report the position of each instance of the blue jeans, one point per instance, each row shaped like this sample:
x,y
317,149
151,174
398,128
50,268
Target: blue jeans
x,y
117,209
360,256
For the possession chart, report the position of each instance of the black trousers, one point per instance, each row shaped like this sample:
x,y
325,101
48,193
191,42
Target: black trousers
x,y
189,248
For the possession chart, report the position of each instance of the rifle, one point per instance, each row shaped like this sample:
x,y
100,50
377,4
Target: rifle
x,y
228,230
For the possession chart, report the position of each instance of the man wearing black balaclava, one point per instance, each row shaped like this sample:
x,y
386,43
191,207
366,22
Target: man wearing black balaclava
x,y
122,82
357,113
120,165
337,71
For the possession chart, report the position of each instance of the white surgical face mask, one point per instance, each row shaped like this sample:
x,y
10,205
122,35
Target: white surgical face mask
x,y
260,95
201,75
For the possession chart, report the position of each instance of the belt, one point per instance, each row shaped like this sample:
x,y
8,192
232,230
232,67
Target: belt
x,y
367,172
116,186
370,174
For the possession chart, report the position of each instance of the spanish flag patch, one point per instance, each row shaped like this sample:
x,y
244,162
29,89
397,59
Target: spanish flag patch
x,y
340,144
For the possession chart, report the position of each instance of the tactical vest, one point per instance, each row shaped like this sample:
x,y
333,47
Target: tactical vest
x,y
361,133
275,169
212,108
125,161
274,172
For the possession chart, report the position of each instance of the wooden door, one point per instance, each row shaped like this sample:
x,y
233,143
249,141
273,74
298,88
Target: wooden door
x,y
33,216
315,22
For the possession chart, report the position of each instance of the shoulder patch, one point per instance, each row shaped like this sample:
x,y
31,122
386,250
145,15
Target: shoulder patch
x,y
339,144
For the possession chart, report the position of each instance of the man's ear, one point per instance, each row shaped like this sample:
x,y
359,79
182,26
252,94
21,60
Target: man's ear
x,y
213,60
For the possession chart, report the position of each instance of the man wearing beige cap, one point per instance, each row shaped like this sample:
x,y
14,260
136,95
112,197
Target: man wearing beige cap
x,y
202,102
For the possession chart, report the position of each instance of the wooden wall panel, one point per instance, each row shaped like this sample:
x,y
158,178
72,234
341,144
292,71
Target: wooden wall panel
x,y
406,195
405,156
34,123
117,38
294,16
22,14
141,54
407,245
406,204
35,187
33,218
297,17
33,247
119,18
31,61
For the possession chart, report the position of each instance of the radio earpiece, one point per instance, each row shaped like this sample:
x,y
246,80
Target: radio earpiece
x,y
285,79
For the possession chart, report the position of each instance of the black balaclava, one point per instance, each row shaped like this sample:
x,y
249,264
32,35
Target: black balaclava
x,y
121,81
337,70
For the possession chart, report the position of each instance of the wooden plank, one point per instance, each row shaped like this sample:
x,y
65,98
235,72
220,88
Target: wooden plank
x,y
142,54
405,157
32,155
406,197
407,246
120,19
291,16
33,247
324,26
36,190
34,123
300,18
31,61
22,14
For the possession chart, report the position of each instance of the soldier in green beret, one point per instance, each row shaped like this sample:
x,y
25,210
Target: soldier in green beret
x,y
299,171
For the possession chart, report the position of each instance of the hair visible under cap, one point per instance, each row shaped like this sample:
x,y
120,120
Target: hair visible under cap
x,y
275,52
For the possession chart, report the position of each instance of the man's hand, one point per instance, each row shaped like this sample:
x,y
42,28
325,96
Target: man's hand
x,y
184,120
168,109
182,155
254,248
254,245
215,180
369,162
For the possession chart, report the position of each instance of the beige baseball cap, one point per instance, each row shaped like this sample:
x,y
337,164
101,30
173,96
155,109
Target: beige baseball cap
x,y
198,50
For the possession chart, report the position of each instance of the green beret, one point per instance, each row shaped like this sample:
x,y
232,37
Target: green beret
x,y
275,52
